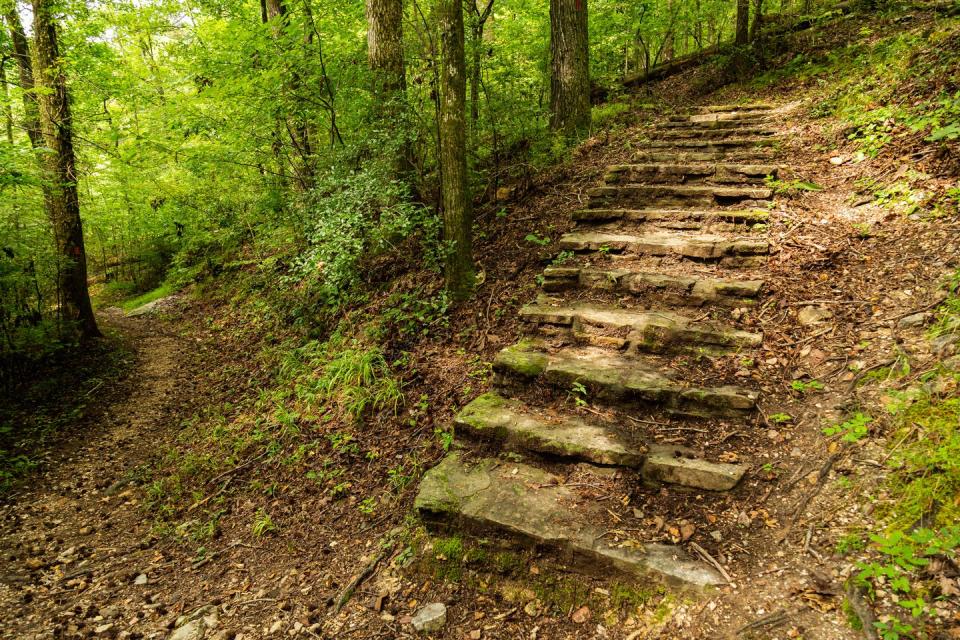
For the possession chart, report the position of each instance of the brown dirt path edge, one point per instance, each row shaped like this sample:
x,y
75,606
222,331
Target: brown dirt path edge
x,y
76,528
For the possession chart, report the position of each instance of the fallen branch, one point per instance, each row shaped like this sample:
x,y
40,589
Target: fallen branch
x,y
237,468
805,500
777,617
709,558
359,579
860,607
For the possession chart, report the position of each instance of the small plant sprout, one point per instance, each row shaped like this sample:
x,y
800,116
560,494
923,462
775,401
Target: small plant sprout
x,y
262,524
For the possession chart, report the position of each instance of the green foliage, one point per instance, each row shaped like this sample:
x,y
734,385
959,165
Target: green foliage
x,y
853,429
351,375
802,387
262,524
791,187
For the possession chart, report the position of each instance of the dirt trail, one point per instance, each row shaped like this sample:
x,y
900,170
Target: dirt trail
x,y
76,533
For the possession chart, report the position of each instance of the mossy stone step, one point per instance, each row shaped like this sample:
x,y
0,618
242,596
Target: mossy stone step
x,y
495,417
679,290
700,246
690,173
674,133
724,144
640,195
676,466
650,331
491,496
734,108
735,216
620,379
684,122
757,155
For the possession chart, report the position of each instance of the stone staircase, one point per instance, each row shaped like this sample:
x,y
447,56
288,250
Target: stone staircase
x,y
666,252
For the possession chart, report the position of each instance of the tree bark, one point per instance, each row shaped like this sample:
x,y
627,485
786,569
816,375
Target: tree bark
x,y
478,21
7,109
743,22
21,54
62,199
569,67
385,57
454,185
757,20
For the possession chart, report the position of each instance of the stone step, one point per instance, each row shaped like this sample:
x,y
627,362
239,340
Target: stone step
x,y
734,108
650,331
722,145
700,173
620,379
735,252
492,416
684,122
670,289
490,496
675,465
518,428
752,155
711,133
746,217
640,195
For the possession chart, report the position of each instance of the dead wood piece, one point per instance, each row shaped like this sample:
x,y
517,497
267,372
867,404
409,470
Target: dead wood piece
x,y
703,553
777,617
359,579
236,468
805,500
860,607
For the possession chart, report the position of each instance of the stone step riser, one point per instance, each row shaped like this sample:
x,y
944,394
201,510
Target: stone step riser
x,y
714,146
684,122
703,248
652,332
741,218
747,155
509,423
667,290
619,381
711,134
719,174
525,503
640,195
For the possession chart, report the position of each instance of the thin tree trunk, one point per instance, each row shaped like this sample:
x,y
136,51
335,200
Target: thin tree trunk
x,y
569,67
454,185
477,23
7,109
62,200
21,54
743,22
757,20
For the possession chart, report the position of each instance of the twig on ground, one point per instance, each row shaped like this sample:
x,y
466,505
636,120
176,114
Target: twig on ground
x,y
863,372
703,553
805,500
237,468
777,617
365,573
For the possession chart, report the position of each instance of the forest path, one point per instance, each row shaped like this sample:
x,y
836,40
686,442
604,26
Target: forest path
x,y
77,528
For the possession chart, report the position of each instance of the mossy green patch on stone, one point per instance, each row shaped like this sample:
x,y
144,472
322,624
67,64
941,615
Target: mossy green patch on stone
x,y
523,359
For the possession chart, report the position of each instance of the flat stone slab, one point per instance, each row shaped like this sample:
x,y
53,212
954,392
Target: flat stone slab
x,y
712,122
683,290
664,195
493,416
653,331
490,495
690,173
676,156
707,216
726,143
707,133
623,379
667,464
700,246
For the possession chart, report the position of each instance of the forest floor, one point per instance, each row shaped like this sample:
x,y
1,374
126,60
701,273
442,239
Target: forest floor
x,y
138,522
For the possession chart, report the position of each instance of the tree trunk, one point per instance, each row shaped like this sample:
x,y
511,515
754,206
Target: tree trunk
x,y
7,109
743,22
62,200
385,56
569,67
385,48
478,21
21,54
297,129
454,185
757,20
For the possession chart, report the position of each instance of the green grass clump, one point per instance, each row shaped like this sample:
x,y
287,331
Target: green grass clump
x,y
162,291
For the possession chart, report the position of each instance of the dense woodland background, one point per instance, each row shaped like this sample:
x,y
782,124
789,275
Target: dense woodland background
x,y
204,127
